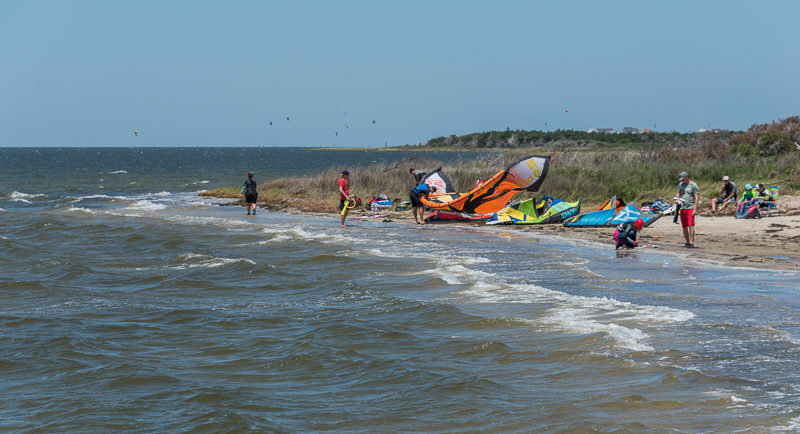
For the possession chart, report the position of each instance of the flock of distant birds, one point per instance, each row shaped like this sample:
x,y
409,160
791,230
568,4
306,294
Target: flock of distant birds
x,y
336,133
288,119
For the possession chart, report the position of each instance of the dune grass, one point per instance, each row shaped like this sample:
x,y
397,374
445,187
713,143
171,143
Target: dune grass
x,y
590,175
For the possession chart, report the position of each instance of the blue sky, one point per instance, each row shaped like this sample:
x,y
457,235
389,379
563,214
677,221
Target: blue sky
x,y
197,73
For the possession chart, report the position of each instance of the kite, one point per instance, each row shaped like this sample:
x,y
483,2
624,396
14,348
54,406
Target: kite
x,y
612,213
531,212
495,193
438,179
442,216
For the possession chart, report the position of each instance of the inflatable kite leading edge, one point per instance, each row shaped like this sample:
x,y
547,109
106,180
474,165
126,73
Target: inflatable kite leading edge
x,y
495,193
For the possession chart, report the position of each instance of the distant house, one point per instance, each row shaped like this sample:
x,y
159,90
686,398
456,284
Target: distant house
x,y
709,130
601,130
630,130
646,130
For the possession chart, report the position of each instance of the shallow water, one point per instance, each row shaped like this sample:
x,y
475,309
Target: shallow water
x,y
141,307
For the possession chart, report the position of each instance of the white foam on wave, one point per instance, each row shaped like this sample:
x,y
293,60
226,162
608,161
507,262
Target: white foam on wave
x,y
146,205
322,236
20,195
195,260
275,239
576,313
776,335
228,223
80,209
201,182
456,274
442,259
19,199
116,172
97,196
630,338
726,395
2,210
160,194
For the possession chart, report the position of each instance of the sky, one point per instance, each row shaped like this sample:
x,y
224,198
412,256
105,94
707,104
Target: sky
x,y
377,73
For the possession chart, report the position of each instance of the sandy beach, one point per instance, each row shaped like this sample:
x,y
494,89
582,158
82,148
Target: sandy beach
x,y
770,242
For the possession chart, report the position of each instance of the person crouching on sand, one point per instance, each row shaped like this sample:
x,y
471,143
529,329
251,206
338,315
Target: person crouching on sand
x,y
414,195
250,193
344,194
626,233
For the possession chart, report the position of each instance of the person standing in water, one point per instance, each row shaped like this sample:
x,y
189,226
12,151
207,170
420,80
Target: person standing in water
x,y
422,190
344,194
250,192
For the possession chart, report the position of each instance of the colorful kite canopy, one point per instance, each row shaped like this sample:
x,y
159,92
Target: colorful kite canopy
x,y
526,213
443,216
495,193
612,213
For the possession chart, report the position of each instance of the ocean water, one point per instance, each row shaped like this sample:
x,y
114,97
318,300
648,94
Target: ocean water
x,y
131,304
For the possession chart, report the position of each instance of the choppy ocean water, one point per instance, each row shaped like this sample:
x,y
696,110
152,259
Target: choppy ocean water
x,y
129,303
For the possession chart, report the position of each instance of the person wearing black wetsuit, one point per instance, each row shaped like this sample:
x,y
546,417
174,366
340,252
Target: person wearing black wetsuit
x,y
250,193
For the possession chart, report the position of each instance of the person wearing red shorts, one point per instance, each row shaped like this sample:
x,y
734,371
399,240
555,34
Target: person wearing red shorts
x,y
689,195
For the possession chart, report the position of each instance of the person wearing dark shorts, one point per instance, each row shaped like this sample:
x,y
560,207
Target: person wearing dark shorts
x,y
726,195
416,204
250,193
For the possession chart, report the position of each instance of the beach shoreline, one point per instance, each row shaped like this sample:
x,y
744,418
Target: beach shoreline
x,y
770,242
